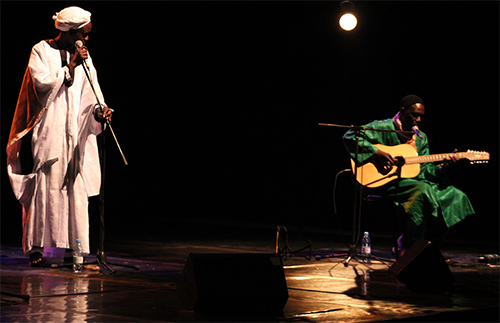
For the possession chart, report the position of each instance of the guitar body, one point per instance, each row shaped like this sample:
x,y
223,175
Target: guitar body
x,y
369,176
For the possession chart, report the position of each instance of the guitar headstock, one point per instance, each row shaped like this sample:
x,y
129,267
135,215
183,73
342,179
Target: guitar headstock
x,y
476,157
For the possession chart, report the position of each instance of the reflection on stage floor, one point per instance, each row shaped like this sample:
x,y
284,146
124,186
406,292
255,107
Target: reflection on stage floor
x,y
318,287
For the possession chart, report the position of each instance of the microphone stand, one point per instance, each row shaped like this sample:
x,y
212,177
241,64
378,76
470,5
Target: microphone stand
x,y
101,259
356,217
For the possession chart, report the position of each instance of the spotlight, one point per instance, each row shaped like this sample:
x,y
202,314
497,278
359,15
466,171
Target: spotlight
x,y
348,20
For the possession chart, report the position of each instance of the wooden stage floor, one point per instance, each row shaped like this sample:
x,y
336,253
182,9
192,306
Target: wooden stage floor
x,y
319,290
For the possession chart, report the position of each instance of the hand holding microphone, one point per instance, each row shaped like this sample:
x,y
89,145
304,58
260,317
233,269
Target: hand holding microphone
x,y
105,113
102,112
81,54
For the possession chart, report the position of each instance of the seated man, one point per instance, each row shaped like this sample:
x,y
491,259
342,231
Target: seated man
x,y
430,202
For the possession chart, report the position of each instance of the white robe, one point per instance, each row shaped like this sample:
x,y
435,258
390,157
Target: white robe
x,y
66,168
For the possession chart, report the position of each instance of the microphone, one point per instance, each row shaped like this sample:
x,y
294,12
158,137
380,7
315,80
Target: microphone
x,y
415,129
79,44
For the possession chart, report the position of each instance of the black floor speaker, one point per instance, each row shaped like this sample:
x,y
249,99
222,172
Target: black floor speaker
x,y
235,283
423,268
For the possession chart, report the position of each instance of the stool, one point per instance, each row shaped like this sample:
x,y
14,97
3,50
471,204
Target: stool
x,y
372,195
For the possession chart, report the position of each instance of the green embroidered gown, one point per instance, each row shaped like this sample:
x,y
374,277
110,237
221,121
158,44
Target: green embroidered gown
x,y
427,199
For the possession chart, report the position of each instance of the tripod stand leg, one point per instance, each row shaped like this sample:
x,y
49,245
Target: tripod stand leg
x,y
106,263
105,266
352,252
286,249
102,261
101,257
136,267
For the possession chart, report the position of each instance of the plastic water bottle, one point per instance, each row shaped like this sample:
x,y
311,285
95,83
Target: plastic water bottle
x,y
366,245
78,257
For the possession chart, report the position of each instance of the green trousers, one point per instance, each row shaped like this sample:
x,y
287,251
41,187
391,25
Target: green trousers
x,y
431,208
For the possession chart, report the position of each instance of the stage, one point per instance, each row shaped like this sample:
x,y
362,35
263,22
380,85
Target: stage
x,y
320,288
217,109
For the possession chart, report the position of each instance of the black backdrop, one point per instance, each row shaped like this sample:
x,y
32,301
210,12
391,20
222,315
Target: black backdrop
x,y
217,104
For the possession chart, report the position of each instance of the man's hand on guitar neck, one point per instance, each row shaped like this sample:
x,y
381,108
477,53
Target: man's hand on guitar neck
x,y
383,161
449,161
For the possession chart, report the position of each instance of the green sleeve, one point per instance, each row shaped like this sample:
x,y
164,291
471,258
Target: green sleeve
x,y
366,148
366,140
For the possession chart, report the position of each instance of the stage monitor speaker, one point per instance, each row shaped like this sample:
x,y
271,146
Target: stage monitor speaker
x,y
423,268
252,283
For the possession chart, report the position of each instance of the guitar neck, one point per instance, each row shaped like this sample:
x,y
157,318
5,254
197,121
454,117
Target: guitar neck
x,y
431,158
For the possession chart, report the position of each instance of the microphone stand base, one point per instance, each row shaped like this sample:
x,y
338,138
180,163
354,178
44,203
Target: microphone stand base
x,y
103,262
359,257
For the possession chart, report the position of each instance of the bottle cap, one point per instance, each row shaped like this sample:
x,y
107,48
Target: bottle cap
x,y
366,233
78,241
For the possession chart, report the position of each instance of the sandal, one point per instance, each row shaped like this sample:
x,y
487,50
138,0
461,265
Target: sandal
x,y
36,259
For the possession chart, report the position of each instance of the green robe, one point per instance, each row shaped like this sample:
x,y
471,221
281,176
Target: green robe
x,y
428,198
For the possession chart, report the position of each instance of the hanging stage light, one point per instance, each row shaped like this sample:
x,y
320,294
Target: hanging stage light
x,y
348,20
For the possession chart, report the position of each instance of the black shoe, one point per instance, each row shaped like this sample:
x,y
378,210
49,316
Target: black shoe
x,y
37,260
68,256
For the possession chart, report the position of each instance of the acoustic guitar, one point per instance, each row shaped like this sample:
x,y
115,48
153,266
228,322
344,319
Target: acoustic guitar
x,y
408,165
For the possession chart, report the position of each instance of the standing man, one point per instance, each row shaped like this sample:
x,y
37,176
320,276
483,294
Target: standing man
x,y
430,202
57,106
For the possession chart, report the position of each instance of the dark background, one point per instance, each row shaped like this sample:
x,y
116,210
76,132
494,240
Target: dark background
x,y
217,104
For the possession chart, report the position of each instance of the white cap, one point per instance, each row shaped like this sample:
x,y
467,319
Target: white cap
x,y
71,18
